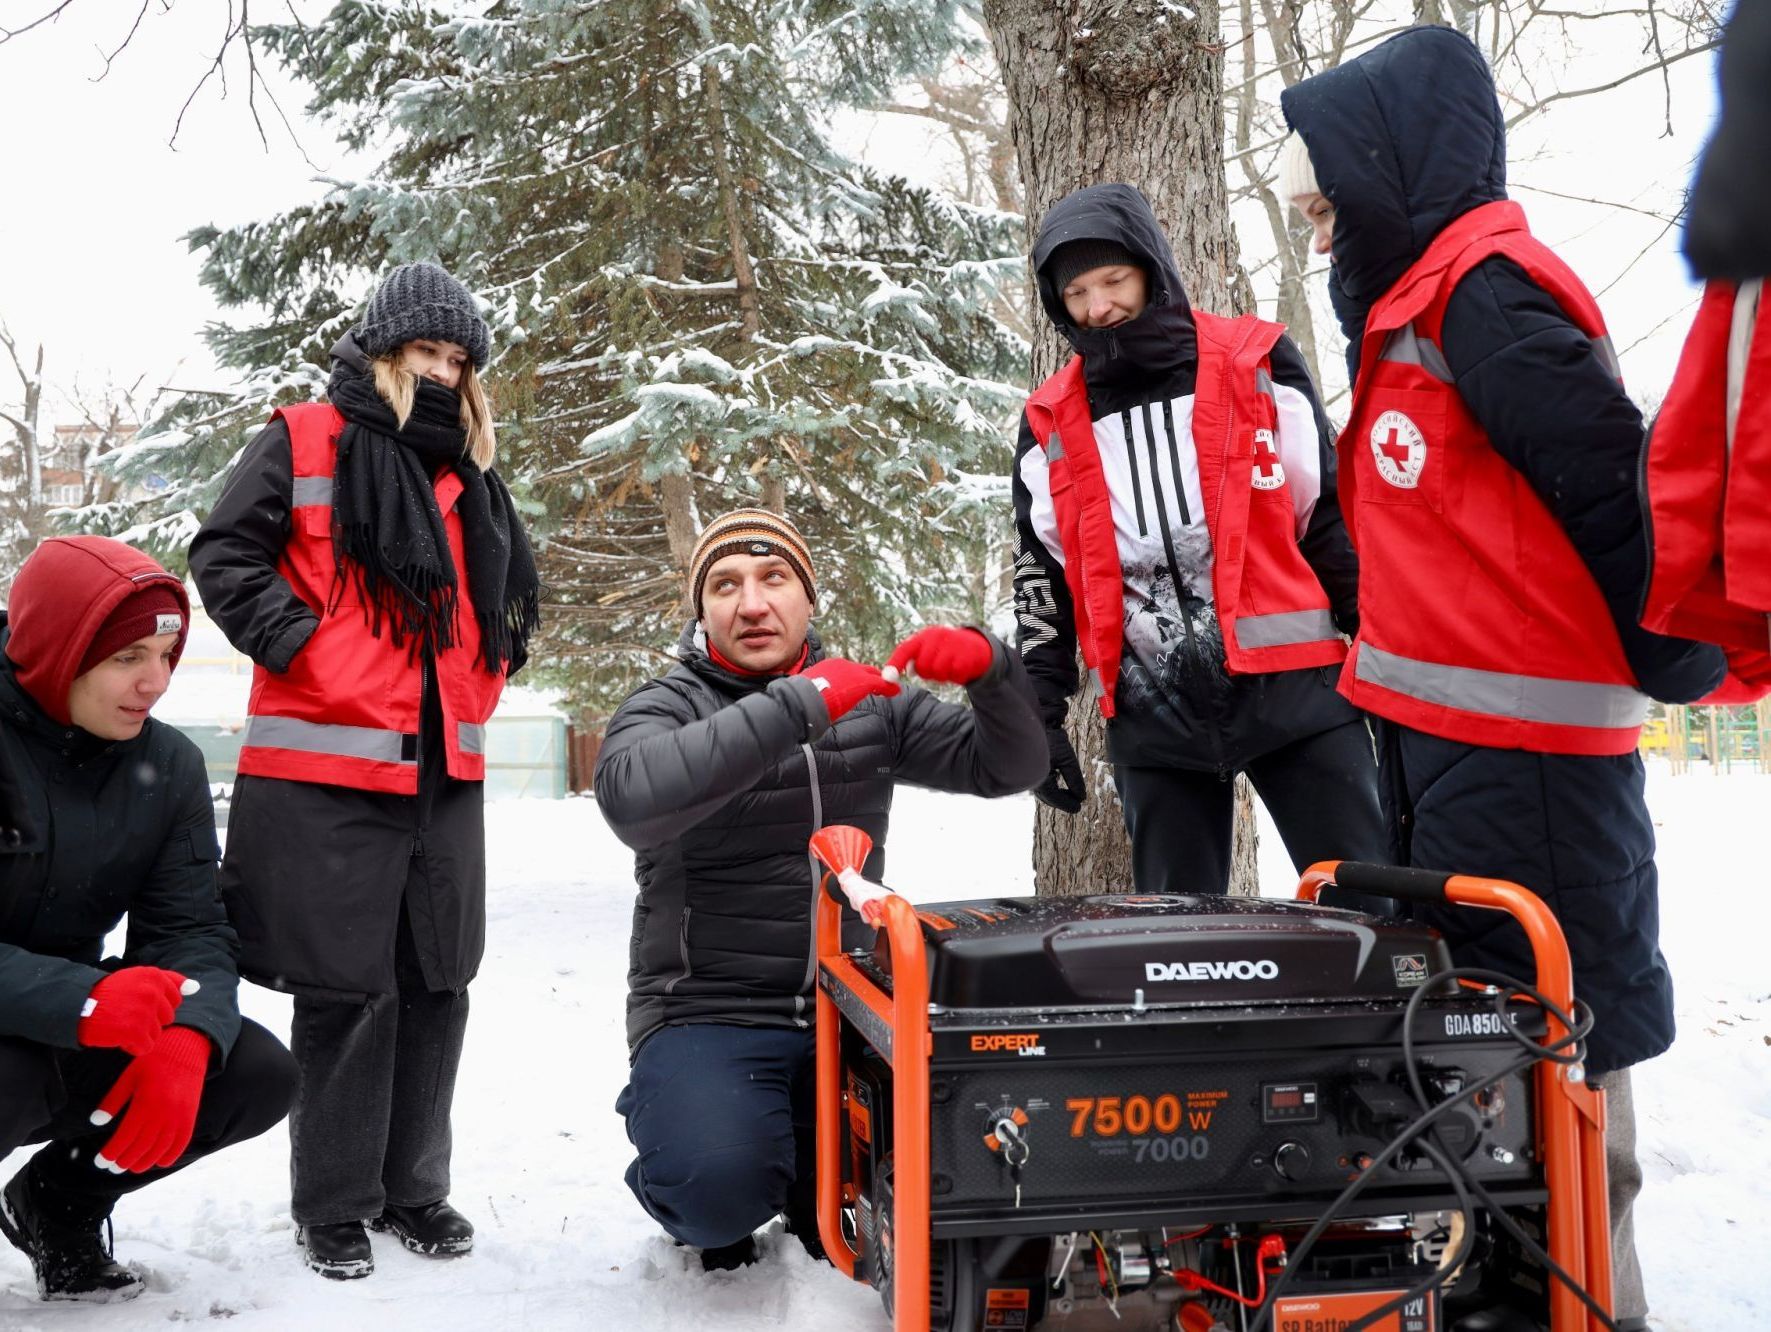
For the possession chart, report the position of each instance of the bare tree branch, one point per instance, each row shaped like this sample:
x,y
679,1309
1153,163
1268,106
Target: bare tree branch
x,y
1666,82
7,34
133,28
1602,203
1634,74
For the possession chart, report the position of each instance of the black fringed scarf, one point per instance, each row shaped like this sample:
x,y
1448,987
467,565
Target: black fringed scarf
x,y
386,524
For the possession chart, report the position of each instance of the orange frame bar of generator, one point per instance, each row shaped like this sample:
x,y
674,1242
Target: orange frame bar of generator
x,y
906,1011
1570,1114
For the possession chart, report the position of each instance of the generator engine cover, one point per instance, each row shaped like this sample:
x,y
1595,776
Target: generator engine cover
x,y
1022,952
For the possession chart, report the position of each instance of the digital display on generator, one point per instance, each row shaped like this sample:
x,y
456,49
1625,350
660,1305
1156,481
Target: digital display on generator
x,y
1289,1103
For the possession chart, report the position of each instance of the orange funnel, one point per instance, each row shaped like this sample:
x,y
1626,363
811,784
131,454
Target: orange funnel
x,y
841,847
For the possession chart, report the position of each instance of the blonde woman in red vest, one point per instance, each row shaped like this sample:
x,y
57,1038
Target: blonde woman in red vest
x,y
1176,516
1488,469
373,566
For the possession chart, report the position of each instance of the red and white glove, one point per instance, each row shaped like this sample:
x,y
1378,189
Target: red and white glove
x,y
162,1089
845,683
943,654
865,896
129,1008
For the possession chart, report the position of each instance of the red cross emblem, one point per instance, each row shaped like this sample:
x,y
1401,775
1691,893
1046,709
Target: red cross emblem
x,y
1399,449
1395,448
1269,472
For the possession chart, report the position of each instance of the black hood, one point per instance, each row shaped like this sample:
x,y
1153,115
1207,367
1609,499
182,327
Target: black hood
x,y
1161,338
1405,139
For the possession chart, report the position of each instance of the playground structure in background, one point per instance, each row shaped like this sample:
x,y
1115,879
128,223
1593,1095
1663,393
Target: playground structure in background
x,y
1722,737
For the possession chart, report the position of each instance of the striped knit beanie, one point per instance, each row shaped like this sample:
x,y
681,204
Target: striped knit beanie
x,y
749,532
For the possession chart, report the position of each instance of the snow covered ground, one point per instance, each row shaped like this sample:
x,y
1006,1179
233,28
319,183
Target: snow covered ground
x,y
540,1152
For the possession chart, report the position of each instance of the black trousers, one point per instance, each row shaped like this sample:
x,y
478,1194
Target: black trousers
x,y
47,1094
1321,792
371,1121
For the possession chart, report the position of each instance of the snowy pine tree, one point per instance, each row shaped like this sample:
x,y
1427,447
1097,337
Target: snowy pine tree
x,y
696,301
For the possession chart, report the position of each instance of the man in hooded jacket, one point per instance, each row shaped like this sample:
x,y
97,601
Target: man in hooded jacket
x,y
127,1068
1489,465
716,774
1176,518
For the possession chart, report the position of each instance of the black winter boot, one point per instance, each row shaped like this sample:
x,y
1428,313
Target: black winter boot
x,y
61,1240
436,1230
339,1250
729,1257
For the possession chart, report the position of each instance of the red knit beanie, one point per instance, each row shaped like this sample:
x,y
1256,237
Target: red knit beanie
x,y
151,610
76,599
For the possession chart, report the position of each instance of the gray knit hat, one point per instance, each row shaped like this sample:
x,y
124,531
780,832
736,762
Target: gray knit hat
x,y
422,301
1074,258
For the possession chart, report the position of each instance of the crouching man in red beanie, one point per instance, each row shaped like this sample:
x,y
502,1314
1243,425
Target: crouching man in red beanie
x,y
126,1069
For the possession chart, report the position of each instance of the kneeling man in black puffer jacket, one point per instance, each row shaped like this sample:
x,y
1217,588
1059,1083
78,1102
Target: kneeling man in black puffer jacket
x,y
717,774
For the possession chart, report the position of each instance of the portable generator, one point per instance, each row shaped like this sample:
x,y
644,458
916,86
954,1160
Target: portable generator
x,y
1203,1113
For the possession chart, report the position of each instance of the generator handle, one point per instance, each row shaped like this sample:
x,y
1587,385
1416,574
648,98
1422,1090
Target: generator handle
x,y
1413,885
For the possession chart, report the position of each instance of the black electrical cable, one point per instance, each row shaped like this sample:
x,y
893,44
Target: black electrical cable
x,y
1346,1195
1570,1041
1442,1273
1536,1250
1501,985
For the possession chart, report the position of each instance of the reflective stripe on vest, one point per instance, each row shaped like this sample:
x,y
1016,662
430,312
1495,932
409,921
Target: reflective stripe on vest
x,y
1283,628
358,742
1409,348
1530,698
471,737
310,490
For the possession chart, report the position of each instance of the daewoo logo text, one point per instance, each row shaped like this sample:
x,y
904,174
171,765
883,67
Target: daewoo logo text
x,y
1200,971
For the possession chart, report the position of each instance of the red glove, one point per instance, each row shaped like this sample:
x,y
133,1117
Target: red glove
x,y
163,1088
944,655
128,1008
845,683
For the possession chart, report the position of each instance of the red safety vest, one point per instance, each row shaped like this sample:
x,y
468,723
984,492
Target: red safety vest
x,y
1478,620
346,711
1274,613
1709,497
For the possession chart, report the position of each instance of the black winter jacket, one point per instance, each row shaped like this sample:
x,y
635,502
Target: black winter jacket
x,y
1406,139
1179,708
719,780
116,828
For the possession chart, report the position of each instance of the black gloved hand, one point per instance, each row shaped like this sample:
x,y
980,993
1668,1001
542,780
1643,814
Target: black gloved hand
x,y
1063,788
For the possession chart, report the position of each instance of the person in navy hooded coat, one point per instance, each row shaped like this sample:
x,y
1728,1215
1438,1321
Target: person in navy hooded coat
x,y
1488,477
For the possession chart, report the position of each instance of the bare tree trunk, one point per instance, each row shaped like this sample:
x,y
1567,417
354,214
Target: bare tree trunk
x,y
743,274
1118,90
1293,251
21,473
